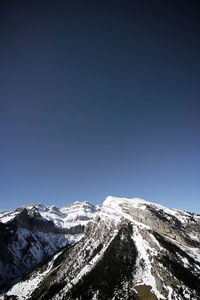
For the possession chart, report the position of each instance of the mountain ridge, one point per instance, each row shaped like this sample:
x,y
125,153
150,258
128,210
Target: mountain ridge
x,y
130,249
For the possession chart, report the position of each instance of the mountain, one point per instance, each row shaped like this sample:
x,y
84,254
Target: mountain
x,y
131,249
31,234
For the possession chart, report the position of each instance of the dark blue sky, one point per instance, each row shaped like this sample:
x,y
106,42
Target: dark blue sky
x,y
99,98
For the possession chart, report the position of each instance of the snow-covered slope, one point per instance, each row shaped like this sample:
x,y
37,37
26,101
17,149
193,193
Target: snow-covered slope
x,y
132,249
30,234
177,224
24,288
78,213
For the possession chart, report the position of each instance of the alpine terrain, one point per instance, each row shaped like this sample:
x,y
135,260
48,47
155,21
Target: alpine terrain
x,y
30,235
128,249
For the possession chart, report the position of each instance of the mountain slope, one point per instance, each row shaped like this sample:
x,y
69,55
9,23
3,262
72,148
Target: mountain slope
x,y
132,249
31,234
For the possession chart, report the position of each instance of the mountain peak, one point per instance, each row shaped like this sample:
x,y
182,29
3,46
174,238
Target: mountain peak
x,y
113,201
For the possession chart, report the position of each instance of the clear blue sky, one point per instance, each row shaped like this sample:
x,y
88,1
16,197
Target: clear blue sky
x,y
99,98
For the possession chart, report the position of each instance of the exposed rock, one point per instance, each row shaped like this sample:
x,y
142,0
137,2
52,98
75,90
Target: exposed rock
x,y
143,292
32,221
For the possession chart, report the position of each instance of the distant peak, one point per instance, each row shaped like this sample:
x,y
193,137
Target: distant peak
x,y
38,205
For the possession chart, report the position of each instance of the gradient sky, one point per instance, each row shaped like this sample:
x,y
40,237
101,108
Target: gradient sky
x,y
99,98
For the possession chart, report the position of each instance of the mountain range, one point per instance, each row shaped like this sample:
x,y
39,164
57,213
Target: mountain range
x,y
127,249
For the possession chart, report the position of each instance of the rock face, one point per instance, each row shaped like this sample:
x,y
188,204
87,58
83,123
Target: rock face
x,y
132,249
31,220
143,292
29,235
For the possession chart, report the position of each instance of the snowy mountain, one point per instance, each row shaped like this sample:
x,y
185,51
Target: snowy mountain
x,y
131,249
69,216
31,234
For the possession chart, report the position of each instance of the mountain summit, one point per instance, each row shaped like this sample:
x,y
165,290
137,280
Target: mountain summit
x,y
130,249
